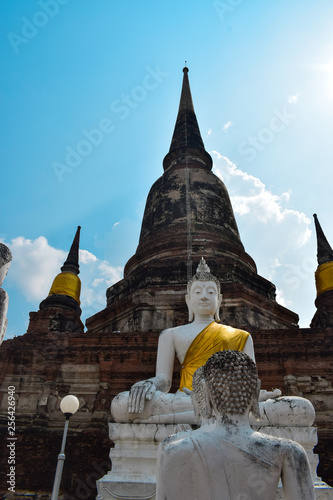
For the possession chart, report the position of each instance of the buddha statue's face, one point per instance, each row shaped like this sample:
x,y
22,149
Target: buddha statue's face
x,y
203,299
3,270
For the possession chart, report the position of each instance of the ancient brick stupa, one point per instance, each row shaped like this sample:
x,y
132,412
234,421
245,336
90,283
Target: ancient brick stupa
x,y
188,215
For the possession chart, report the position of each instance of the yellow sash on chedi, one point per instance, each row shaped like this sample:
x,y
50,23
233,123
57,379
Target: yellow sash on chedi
x,y
215,337
67,284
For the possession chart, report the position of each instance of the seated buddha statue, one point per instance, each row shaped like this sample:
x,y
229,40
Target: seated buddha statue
x,y
227,458
148,401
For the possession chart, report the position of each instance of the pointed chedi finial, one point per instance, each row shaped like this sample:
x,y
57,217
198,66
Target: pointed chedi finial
x,y
324,272
324,249
186,139
323,317
66,287
72,262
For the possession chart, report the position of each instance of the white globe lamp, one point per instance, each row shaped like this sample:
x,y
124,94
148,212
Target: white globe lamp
x,y
68,405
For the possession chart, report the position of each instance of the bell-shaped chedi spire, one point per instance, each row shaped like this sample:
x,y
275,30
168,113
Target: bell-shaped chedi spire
x,y
186,140
188,211
66,287
323,317
188,215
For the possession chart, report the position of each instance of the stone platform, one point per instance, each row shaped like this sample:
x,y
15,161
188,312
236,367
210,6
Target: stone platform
x,y
133,458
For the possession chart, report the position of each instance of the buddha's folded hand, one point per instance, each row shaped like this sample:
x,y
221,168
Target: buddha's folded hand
x,y
138,394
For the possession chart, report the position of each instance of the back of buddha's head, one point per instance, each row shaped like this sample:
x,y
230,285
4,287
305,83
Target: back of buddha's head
x,y
231,378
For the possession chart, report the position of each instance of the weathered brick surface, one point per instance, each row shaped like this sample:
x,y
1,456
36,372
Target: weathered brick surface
x,y
151,295
96,367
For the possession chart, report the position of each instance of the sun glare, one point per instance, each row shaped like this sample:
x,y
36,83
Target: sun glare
x,y
325,73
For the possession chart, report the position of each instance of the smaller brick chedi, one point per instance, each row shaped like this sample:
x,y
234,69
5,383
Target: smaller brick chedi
x,y
188,215
62,305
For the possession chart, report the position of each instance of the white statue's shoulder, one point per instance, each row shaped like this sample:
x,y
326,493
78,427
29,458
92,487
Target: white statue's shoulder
x,y
179,443
281,447
176,331
180,328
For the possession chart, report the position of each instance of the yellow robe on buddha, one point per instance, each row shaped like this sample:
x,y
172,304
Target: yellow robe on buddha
x,y
215,337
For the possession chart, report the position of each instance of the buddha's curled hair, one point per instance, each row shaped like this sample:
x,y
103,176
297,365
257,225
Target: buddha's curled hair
x,y
5,254
199,391
231,377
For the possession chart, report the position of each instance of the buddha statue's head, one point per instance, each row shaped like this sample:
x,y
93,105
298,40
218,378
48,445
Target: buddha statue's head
x,y
5,260
230,382
203,293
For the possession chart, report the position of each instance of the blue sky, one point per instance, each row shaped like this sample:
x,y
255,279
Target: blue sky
x,y
89,98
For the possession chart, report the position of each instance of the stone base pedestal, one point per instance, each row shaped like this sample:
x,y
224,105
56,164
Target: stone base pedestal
x,y
133,458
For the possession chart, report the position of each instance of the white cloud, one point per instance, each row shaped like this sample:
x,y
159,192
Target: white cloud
x,y
209,132
227,125
95,281
85,257
115,225
281,299
257,202
293,99
276,236
35,265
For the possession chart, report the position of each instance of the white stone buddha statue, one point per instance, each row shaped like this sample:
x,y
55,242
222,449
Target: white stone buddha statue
x,y
225,458
5,261
148,401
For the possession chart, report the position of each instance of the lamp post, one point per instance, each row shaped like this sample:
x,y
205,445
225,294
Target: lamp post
x,y
69,405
